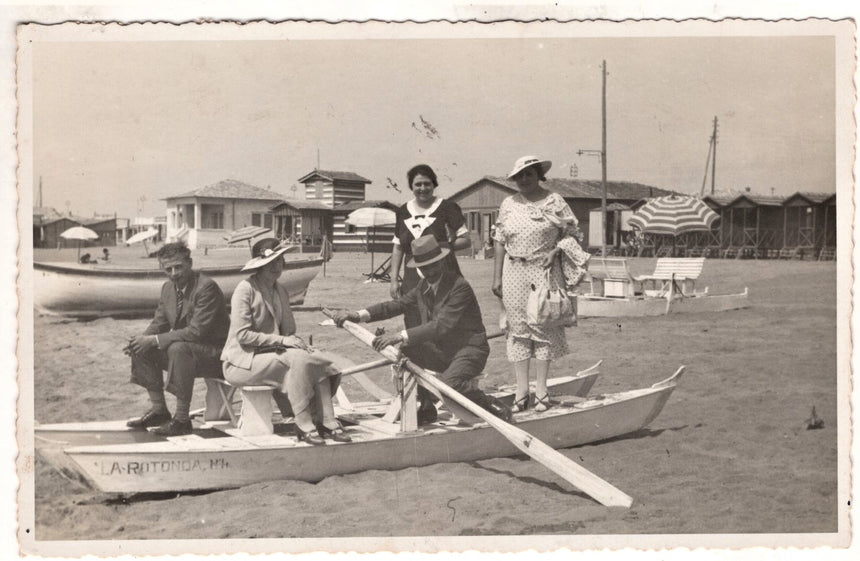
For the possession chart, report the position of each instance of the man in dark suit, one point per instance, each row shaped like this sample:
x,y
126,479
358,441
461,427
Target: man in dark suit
x,y
184,338
450,339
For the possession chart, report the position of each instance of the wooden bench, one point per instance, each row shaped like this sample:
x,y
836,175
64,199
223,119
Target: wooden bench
x,y
681,272
610,277
256,416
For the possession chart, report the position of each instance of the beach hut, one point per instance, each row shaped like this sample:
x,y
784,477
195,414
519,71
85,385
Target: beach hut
x,y
347,237
333,188
809,221
303,223
755,225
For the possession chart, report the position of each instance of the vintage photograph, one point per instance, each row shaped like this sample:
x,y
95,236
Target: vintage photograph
x,y
446,286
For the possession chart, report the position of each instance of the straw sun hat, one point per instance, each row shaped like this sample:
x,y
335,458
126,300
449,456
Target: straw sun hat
x,y
527,161
264,252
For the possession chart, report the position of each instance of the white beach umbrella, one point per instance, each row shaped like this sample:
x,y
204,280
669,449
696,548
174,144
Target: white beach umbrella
x,y
371,217
81,234
142,237
247,233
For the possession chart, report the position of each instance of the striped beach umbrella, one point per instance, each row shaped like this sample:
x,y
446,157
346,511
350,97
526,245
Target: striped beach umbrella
x,y
673,215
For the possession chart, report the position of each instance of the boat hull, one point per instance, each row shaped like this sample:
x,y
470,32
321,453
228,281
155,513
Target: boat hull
x,y
85,291
63,435
644,307
194,463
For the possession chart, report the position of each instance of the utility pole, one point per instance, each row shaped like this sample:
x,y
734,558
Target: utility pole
x,y
714,159
603,162
601,155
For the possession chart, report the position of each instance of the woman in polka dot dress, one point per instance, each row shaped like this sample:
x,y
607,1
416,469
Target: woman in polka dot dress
x,y
530,226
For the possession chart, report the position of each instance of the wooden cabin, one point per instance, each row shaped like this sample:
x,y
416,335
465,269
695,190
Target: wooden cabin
x,y
333,188
351,238
810,224
303,223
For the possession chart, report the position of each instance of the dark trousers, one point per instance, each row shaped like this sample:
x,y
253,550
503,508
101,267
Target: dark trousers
x,y
460,371
183,362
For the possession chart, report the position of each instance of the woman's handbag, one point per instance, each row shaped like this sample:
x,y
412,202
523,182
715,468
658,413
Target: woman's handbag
x,y
548,305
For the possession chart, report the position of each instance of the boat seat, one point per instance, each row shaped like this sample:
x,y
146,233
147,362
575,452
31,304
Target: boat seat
x,y
610,277
682,271
256,416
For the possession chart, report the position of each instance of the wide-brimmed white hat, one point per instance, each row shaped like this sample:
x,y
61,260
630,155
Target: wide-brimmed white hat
x,y
527,161
264,252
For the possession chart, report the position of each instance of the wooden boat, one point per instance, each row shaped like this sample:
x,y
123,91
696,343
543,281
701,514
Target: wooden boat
x,y
588,305
216,457
70,289
116,432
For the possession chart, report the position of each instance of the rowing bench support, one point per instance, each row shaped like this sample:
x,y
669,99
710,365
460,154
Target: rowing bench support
x,y
256,411
405,404
219,401
256,417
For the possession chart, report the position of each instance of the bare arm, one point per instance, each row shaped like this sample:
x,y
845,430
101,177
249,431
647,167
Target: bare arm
x,y
499,266
461,242
396,262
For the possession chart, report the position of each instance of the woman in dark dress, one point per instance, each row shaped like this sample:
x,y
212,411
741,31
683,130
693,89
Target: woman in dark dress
x,y
425,215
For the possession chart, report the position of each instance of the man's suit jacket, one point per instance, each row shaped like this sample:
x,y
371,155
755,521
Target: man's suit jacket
x,y
252,322
203,319
451,319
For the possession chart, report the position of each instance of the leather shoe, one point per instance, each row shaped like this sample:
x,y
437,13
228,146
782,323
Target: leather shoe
x,y
498,409
427,413
311,437
336,434
173,428
151,418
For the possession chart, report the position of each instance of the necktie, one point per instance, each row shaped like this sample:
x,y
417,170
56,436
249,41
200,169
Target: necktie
x,y
178,303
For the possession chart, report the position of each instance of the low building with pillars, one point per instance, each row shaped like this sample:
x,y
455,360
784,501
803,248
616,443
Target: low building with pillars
x,y
203,217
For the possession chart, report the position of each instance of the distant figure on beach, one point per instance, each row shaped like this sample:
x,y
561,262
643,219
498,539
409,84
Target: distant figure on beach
x,y
263,349
86,258
184,338
105,254
535,227
450,338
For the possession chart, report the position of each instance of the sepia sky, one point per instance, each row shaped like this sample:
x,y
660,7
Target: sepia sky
x,y
120,125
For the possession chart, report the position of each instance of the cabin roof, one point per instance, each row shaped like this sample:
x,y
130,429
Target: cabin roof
x,y
334,176
299,204
230,189
355,205
590,189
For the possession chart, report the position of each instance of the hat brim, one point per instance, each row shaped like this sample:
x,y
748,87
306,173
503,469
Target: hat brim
x,y
257,262
444,251
545,166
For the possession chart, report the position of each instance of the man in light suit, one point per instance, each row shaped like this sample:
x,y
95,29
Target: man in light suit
x,y
451,338
184,338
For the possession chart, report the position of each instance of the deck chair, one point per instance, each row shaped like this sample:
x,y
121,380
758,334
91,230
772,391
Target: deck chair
x,y
381,273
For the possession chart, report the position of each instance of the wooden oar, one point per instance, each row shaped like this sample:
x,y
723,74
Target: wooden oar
x,y
573,473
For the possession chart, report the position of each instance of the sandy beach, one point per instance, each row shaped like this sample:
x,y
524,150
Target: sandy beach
x,y
730,452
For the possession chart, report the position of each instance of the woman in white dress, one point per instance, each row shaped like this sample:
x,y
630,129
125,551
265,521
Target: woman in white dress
x,y
533,227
